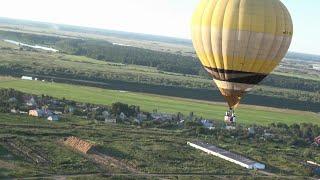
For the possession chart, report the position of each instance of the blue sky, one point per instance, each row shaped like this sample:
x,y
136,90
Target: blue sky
x,y
160,17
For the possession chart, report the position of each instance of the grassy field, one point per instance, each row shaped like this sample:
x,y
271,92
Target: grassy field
x,y
149,102
150,150
155,151
301,76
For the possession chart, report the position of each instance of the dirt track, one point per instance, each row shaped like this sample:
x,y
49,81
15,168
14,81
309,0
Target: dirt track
x,y
107,161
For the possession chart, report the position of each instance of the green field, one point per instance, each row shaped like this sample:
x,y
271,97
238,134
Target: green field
x,y
149,150
149,102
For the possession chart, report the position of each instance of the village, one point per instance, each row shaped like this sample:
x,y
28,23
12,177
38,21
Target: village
x,y
53,109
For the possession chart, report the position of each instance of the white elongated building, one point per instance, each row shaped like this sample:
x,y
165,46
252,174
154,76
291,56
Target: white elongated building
x,y
26,78
227,155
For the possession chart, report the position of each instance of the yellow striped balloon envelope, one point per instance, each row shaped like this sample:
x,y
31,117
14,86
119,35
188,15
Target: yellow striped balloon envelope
x,y
240,42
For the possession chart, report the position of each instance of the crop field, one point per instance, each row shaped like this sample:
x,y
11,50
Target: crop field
x,y
149,102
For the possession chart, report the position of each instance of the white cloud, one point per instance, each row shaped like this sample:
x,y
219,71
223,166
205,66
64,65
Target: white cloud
x,y
164,17
161,17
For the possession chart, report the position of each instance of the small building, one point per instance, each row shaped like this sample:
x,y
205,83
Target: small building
x,y
12,100
227,155
23,112
14,111
71,109
181,122
268,135
230,128
47,113
26,78
31,102
36,113
251,131
161,117
138,121
122,116
58,112
112,121
105,114
53,118
142,117
207,124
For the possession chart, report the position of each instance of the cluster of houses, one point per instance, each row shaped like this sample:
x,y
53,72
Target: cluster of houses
x,y
54,109
32,108
44,113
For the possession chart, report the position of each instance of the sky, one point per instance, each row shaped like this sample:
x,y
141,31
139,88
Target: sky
x,y
159,17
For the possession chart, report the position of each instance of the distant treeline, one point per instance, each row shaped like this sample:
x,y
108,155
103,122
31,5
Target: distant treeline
x,y
280,81
102,50
302,56
105,51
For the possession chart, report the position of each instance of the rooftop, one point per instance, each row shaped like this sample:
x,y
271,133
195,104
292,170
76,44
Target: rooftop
x,y
226,153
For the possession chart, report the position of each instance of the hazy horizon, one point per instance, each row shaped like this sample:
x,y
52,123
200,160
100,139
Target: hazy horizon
x,y
158,17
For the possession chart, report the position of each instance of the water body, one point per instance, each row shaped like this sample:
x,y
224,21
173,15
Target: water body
x,y
31,46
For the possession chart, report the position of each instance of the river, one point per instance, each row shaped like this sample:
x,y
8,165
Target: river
x,y
31,46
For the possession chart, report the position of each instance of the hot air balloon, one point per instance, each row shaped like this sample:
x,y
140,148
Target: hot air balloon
x,y
240,42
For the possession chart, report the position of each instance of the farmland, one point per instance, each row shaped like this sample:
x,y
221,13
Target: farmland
x,y
149,102
154,152
146,149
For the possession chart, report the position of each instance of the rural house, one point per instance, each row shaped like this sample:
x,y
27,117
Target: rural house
x,y
207,124
36,113
161,117
31,102
122,116
110,120
53,118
